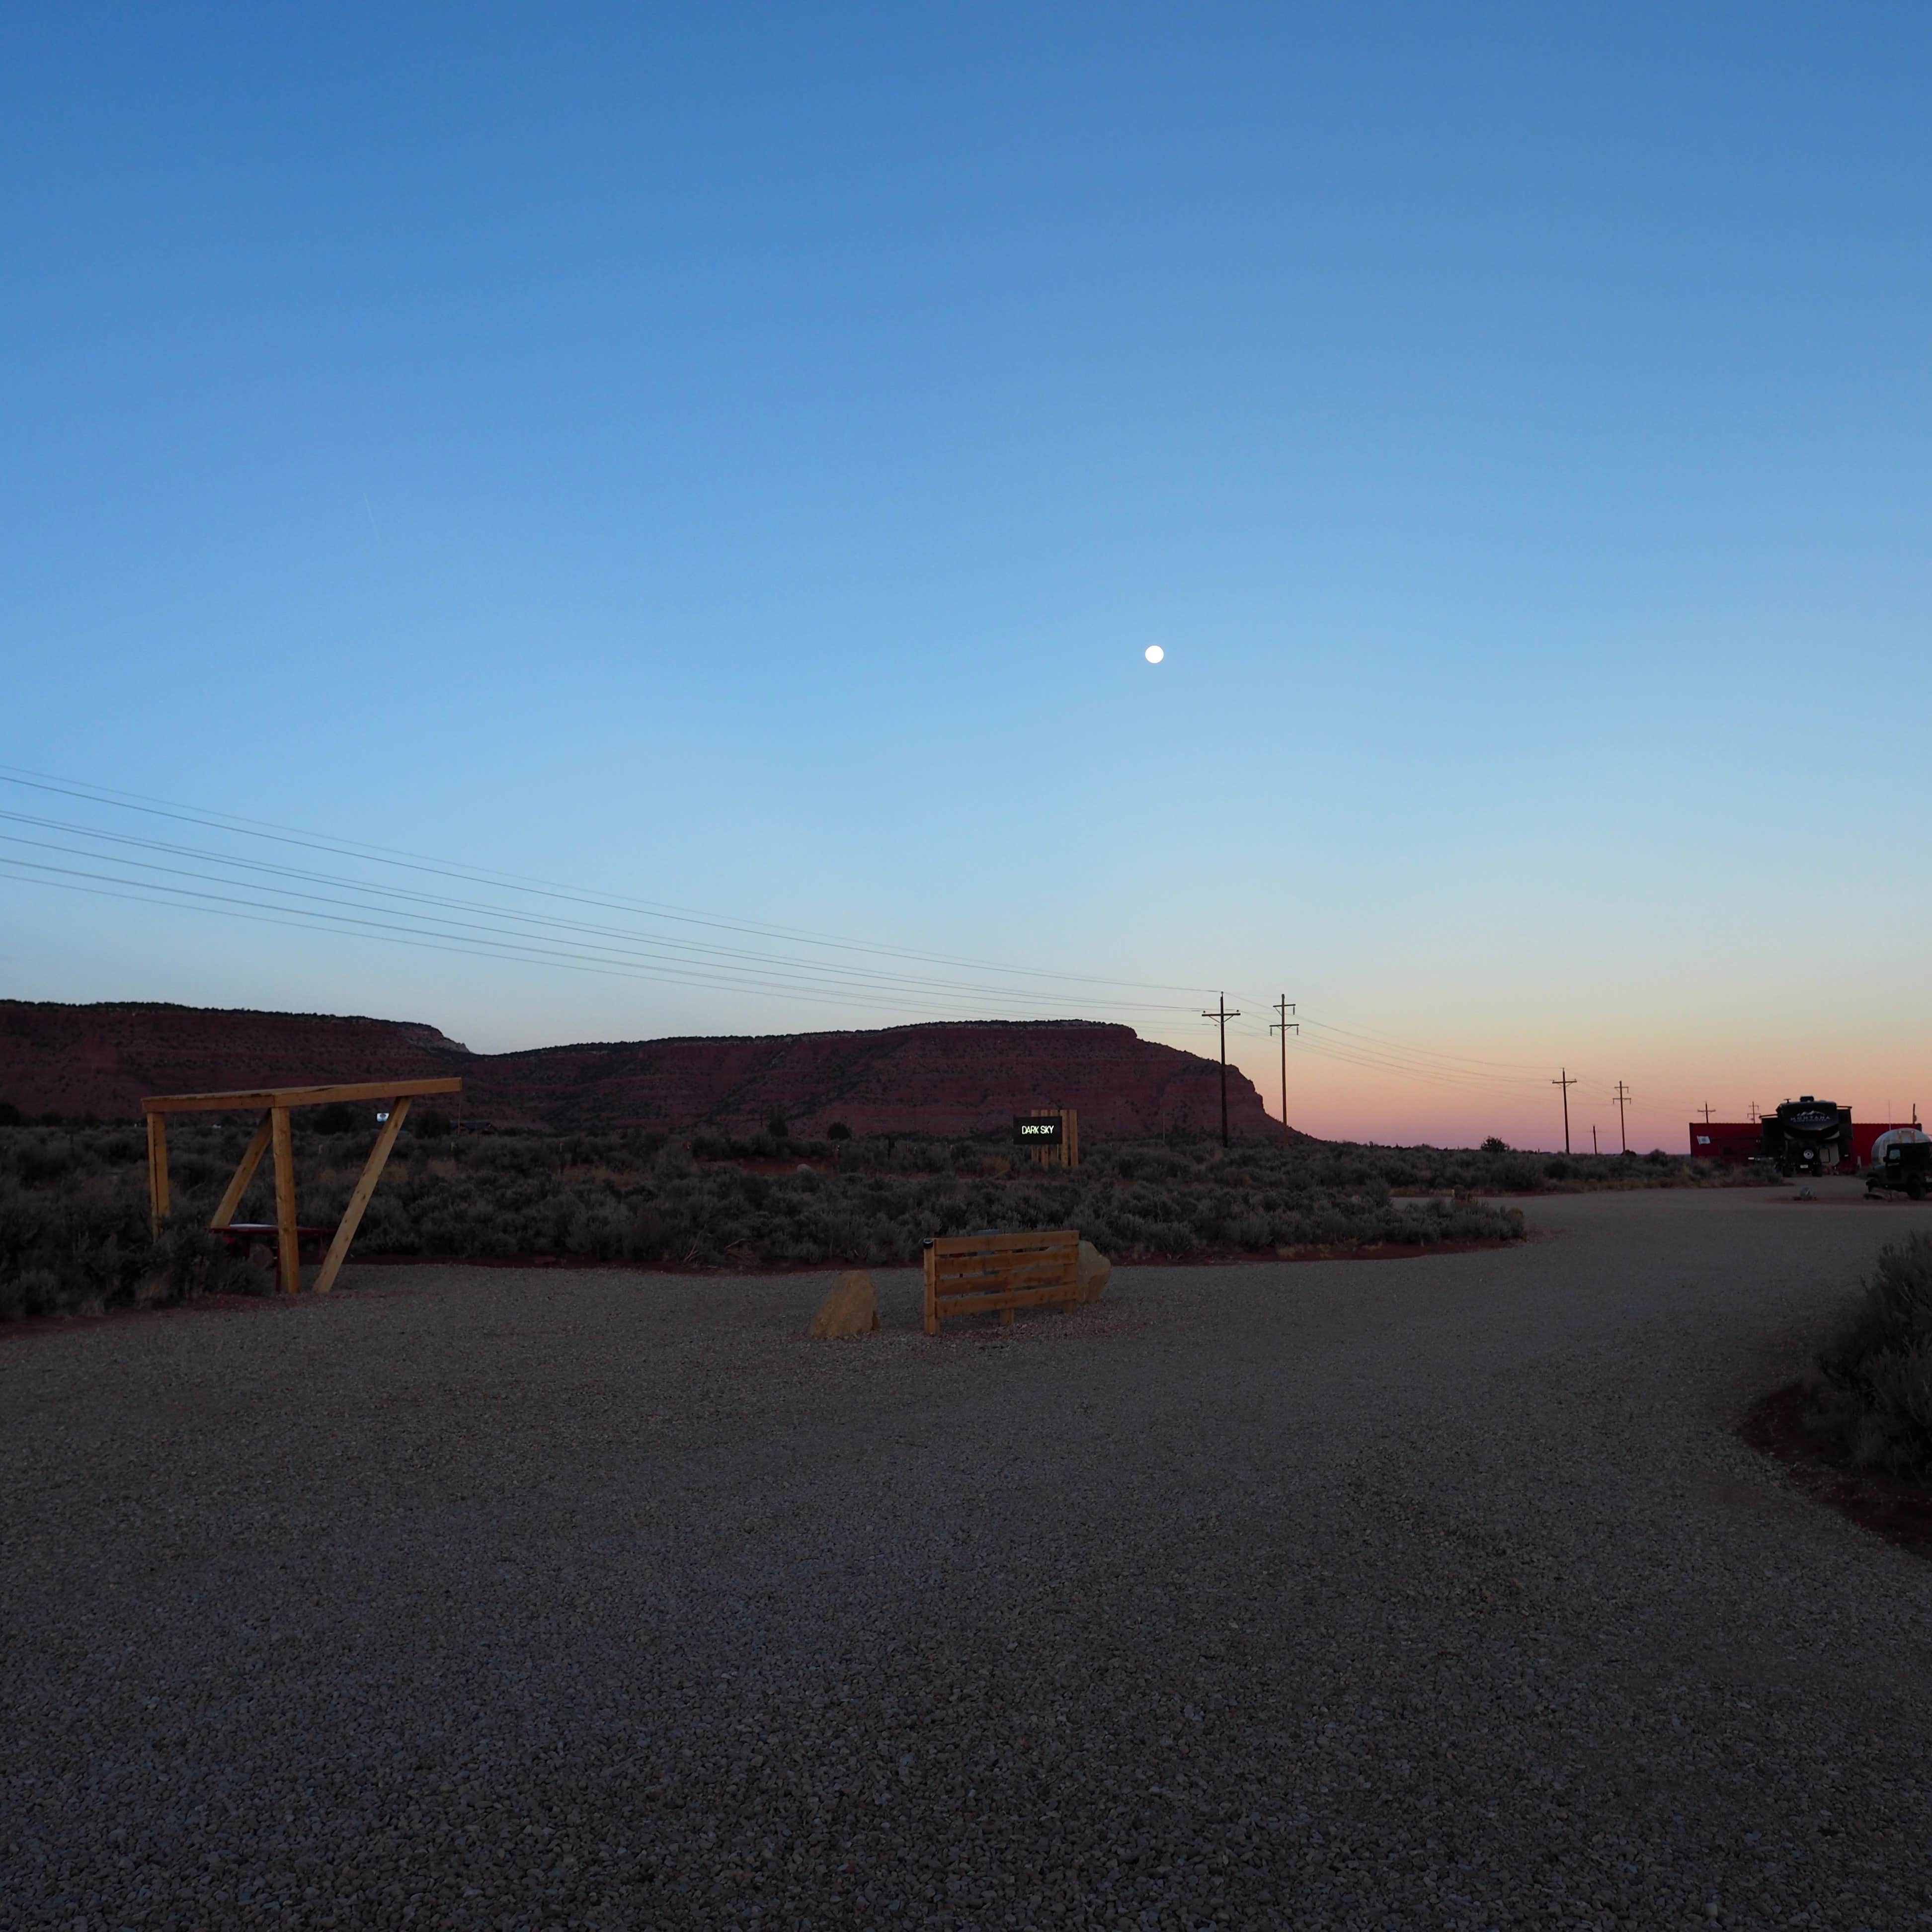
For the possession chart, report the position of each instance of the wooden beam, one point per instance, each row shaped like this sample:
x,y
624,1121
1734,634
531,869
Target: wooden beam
x,y
286,1097
352,1215
288,1247
245,1173
158,1171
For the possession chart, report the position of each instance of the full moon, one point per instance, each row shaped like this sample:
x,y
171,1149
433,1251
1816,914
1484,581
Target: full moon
x,y
1155,654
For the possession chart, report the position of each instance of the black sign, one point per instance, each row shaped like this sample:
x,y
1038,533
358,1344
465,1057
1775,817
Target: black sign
x,y
1031,1132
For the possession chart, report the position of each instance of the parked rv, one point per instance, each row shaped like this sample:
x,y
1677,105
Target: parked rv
x,y
1808,1136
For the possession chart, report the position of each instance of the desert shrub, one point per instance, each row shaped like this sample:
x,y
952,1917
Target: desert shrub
x,y
40,1163
1495,1143
337,1118
838,1131
10,1116
778,1128
1877,1368
73,1224
433,1124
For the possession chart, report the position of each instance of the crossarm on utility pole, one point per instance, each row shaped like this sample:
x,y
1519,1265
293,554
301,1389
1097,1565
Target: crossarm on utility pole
x,y
1564,1082
1285,1026
1224,1013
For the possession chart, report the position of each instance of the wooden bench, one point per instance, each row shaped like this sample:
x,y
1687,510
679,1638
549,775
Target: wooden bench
x,y
966,1274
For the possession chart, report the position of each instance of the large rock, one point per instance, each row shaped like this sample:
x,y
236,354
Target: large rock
x,y
1095,1271
945,1078
851,1309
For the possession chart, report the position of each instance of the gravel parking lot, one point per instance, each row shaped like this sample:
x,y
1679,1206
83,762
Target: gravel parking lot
x,y
1421,1593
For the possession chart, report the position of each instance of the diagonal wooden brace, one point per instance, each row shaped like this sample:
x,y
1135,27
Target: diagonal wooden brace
x,y
158,1171
352,1215
250,1160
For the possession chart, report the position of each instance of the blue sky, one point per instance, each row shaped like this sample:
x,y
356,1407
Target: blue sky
x,y
737,459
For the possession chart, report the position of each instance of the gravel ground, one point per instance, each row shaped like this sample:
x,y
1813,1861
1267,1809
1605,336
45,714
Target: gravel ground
x,y
1422,1593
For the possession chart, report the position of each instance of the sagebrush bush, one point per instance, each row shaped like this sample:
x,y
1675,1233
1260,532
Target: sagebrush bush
x,y
73,1218
1877,1368
74,1230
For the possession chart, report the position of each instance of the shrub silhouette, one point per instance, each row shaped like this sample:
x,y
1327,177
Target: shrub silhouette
x,y
74,1230
1877,1368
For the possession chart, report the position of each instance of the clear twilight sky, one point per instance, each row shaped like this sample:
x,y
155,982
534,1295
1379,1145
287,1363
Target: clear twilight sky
x,y
736,459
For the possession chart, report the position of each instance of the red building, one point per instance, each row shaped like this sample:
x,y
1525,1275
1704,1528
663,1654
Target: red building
x,y
1864,1134
1736,1141
1732,1141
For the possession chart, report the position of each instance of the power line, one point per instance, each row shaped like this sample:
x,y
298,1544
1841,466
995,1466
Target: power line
x,y
1412,1070
1519,1068
268,831
141,894
530,936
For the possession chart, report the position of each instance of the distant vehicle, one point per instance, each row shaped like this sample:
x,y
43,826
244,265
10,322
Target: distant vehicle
x,y
1901,1162
1807,1136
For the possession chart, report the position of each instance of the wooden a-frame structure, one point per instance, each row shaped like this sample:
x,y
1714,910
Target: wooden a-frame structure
x,y
274,1132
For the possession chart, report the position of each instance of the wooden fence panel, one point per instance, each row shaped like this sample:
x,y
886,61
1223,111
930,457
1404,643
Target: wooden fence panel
x,y
967,1274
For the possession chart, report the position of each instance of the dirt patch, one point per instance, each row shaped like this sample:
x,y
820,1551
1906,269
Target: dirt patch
x,y
1848,1201
1369,1251
1374,1251
28,1327
1892,1506
31,1326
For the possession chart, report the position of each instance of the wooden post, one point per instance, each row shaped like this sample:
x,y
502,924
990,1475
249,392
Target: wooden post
x,y
931,1290
288,1248
157,1170
245,1173
352,1215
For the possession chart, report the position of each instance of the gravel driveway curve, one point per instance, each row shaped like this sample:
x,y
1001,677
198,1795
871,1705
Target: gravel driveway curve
x,y
1423,1593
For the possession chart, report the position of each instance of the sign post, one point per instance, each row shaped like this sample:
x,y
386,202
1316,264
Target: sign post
x,y
1052,1134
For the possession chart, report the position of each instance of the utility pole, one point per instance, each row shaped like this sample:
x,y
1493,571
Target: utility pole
x,y
1593,1137
1753,1116
1623,1094
1566,1083
1222,1013
1706,1110
1284,1026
